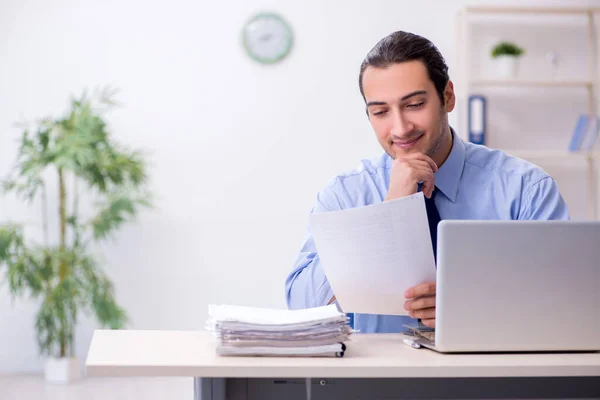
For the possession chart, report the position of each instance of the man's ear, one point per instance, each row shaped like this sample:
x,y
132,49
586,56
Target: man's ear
x,y
449,97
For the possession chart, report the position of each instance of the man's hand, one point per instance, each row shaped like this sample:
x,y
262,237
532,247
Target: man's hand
x,y
421,303
407,172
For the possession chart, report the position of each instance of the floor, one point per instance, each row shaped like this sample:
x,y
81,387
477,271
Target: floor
x,y
33,387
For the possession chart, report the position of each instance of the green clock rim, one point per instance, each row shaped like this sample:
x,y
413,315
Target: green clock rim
x,y
289,43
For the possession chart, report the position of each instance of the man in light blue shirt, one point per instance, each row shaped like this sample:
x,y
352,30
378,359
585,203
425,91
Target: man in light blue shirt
x,y
404,82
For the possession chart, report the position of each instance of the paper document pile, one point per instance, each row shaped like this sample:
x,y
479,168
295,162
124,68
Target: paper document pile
x,y
253,331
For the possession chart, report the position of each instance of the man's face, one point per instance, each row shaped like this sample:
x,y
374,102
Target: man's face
x,y
405,110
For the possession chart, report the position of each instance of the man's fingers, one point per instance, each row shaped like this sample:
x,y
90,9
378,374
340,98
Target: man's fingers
x,y
420,163
420,303
426,313
422,172
430,323
423,157
428,187
425,175
423,289
428,180
432,163
421,169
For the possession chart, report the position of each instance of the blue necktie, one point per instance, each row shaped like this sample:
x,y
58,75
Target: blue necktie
x,y
433,216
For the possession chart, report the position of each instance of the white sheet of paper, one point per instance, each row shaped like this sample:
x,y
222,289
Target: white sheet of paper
x,y
372,254
273,316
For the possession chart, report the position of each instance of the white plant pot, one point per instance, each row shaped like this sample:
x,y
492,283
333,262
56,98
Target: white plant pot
x,y
507,67
62,370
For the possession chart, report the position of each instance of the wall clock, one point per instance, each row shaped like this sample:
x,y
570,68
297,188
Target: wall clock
x,y
267,38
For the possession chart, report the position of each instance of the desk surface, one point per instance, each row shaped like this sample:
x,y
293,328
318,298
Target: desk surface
x,y
192,353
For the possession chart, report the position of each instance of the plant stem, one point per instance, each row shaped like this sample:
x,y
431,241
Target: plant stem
x,y
62,271
75,230
62,210
75,211
45,215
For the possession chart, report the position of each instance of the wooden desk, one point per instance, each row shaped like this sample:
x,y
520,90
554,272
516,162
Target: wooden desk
x,y
377,365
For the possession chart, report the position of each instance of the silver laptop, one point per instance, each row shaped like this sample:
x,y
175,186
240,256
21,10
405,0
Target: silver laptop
x,y
517,286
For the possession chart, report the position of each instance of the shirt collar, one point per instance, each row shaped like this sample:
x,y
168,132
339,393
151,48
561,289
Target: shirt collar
x,y
448,175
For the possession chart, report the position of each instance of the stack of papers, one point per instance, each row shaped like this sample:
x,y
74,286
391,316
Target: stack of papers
x,y
252,331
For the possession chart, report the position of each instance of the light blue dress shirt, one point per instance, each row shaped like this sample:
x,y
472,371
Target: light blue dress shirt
x,y
474,182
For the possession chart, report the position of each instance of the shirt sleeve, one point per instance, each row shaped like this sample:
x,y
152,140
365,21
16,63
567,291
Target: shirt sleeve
x,y
307,286
543,201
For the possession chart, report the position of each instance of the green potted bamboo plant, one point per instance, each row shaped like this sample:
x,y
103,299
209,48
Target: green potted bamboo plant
x,y
506,56
61,271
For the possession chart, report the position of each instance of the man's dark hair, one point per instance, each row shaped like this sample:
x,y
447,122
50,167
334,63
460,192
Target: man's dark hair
x,y
404,46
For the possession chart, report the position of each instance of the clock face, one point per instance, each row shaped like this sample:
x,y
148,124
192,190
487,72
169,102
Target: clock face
x,y
267,38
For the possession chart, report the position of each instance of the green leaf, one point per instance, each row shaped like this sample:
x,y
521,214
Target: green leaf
x,y
112,215
56,319
72,221
10,237
26,268
108,312
507,48
8,185
44,139
31,162
47,329
26,188
100,295
48,265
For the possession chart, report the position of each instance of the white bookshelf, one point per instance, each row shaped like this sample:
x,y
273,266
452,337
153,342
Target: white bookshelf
x,y
537,83
553,154
588,82
532,10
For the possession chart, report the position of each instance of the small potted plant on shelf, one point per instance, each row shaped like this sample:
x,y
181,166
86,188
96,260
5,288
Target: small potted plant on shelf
x,y
71,157
506,56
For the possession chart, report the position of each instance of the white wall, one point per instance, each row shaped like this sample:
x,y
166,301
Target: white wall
x,y
239,150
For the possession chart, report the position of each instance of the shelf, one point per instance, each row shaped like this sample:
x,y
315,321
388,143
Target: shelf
x,y
497,19
530,10
538,83
554,154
